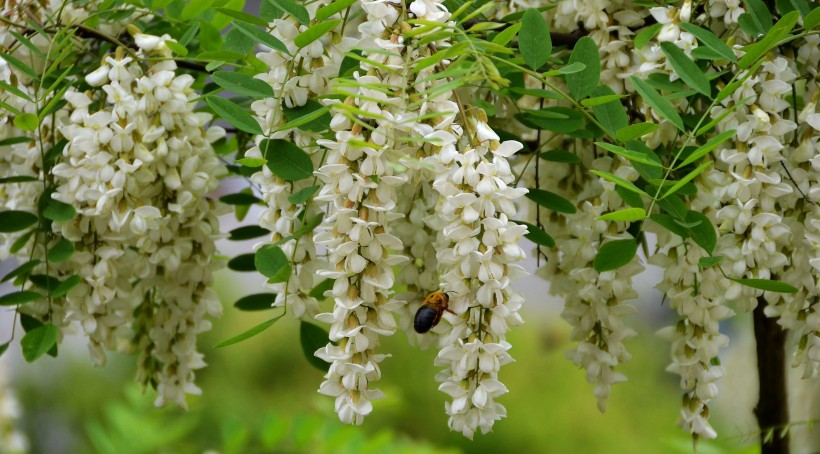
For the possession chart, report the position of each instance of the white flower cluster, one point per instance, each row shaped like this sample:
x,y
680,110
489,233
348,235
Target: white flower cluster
x,y
756,239
787,149
698,296
478,250
595,302
360,186
295,78
12,440
137,167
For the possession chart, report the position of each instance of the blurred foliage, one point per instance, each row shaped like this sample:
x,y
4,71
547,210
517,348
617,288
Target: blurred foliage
x,y
260,396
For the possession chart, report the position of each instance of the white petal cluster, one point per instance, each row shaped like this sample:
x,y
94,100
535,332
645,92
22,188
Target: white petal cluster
x,y
137,166
755,238
595,303
800,312
478,251
361,186
698,297
295,78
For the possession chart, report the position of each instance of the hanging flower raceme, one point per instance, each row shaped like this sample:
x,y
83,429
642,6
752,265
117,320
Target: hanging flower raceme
x,y
360,187
296,78
137,166
478,251
697,295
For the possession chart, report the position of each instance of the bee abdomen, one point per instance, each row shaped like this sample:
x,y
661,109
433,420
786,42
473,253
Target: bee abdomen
x,y
425,319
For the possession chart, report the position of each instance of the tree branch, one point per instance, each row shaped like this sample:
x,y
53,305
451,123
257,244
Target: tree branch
x,y
772,410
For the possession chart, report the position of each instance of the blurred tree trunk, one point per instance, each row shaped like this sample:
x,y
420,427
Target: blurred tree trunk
x,y
772,410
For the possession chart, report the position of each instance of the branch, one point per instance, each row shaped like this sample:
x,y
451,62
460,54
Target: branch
x,y
772,410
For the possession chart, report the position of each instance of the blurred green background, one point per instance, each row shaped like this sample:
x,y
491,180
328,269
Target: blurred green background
x,y
260,396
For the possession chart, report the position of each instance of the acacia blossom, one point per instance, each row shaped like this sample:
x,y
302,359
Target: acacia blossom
x,y
360,186
296,78
477,254
137,168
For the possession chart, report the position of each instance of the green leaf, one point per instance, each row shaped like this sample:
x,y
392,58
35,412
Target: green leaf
x,y
627,214
240,198
534,39
44,281
176,47
686,68
571,68
759,15
303,195
551,201
626,184
611,114
244,17
20,66
560,156
644,36
261,37
315,32
767,285
704,232
58,211
252,162
242,263
18,179
704,149
242,84
318,292
247,232
234,114
505,36
249,333
582,84
629,154
614,255
600,100
332,8
537,235
708,262
773,37
21,297
20,270
65,286
286,160
656,101
20,242
4,347
812,19
27,122
14,221
689,177
15,140
312,339
312,116
629,197
272,262
557,119
635,131
255,302
297,11
39,341
708,39
194,8
61,251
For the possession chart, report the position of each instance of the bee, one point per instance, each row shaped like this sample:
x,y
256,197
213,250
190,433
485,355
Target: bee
x,y
429,314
